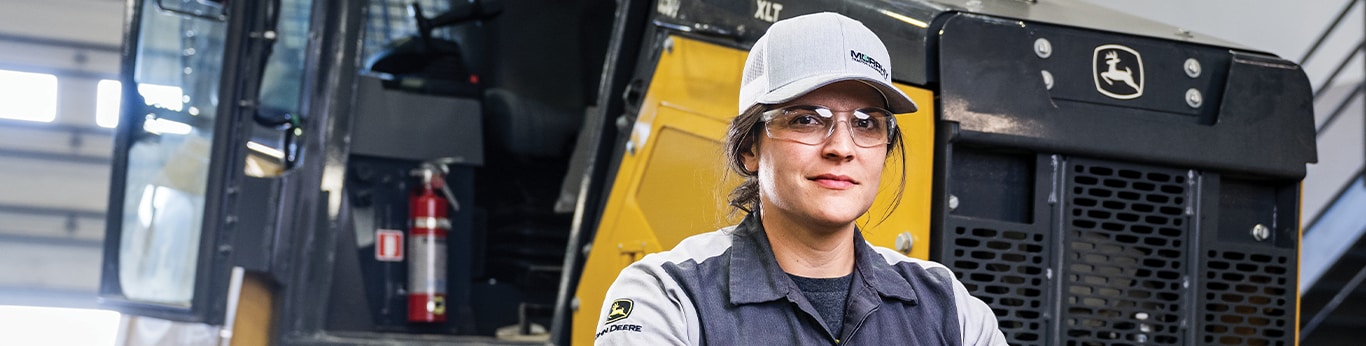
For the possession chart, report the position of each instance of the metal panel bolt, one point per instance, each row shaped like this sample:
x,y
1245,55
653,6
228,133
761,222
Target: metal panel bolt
x,y
905,242
669,44
1260,232
1192,67
1193,98
953,202
1047,79
631,147
574,304
1043,48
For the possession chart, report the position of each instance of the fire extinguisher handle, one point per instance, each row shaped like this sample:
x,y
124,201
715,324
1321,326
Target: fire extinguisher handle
x,y
435,172
446,190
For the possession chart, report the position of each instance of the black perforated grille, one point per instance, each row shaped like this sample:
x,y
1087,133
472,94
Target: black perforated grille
x,y
1006,269
1124,254
1247,299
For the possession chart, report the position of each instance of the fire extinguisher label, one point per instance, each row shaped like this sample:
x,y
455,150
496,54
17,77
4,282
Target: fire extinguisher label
x,y
427,264
388,245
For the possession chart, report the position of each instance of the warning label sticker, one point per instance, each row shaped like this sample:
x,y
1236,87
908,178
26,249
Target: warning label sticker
x,y
388,245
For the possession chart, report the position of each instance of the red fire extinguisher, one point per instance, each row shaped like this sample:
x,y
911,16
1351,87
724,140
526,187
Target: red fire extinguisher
x,y
427,244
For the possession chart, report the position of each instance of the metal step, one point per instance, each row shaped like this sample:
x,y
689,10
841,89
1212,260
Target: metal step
x,y
1333,271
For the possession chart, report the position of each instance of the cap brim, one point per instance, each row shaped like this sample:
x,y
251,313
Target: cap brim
x,y
897,102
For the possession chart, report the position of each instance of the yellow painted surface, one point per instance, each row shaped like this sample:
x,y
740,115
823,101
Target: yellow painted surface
x,y
252,325
687,107
675,182
1299,249
912,213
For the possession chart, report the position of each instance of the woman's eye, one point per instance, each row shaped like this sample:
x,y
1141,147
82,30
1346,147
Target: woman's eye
x,y
806,120
866,124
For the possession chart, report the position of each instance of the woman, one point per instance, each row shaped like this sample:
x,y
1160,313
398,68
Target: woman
x,y
814,132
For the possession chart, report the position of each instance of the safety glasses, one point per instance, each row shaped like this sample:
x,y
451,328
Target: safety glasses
x,y
813,125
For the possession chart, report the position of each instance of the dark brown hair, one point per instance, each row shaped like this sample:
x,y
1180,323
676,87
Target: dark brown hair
x,y
743,137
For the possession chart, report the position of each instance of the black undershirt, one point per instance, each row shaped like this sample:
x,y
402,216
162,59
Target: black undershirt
x,y
828,296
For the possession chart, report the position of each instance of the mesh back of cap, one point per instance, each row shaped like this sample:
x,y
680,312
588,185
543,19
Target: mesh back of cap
x,y
757,68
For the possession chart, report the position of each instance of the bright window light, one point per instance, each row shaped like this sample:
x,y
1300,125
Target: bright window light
x,y
163,126
109,96
27,325
164,96
28,96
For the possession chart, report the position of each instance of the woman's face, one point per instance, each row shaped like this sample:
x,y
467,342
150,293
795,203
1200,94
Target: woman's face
x,y
828,184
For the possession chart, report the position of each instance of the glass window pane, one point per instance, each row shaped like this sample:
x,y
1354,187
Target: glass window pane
x,y
108,98
178,70
389,20
28,96
281,85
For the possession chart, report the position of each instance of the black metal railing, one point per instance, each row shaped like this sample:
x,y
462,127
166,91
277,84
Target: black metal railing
x,y
1341,66
1321,90
1311,320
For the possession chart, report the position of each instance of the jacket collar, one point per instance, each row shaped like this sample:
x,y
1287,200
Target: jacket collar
x,y
756,277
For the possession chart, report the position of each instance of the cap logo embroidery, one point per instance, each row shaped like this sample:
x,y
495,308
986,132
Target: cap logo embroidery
x,y
1118,71
767,10
868,60
621,308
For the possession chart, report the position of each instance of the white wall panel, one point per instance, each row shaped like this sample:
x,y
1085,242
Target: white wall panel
x,y
44,183
76,40
49,267
96,21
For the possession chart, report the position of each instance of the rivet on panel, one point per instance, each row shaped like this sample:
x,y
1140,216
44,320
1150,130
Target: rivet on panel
x,y
1043,48
1193,98
1260,232
1192,67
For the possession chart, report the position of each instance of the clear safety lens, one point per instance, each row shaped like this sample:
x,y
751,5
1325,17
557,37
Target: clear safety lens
x,y
813,125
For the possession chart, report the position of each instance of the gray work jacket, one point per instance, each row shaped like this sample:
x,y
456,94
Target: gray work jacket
x,y
725,288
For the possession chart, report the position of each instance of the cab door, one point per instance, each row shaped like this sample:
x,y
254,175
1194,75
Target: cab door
x,y
174,234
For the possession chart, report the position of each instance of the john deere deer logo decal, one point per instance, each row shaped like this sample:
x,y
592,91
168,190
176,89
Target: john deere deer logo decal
x,y
1118,71
621,308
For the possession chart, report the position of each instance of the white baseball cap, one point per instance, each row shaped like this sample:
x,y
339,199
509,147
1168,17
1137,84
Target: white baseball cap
x,y
803,53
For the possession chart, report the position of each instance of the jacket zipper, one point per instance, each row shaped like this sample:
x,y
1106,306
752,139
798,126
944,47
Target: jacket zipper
x,y
859,324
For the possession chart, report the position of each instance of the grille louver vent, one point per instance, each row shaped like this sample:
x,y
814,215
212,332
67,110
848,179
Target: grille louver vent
x,y
1123,256
1006,269
1245,300
1112,256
